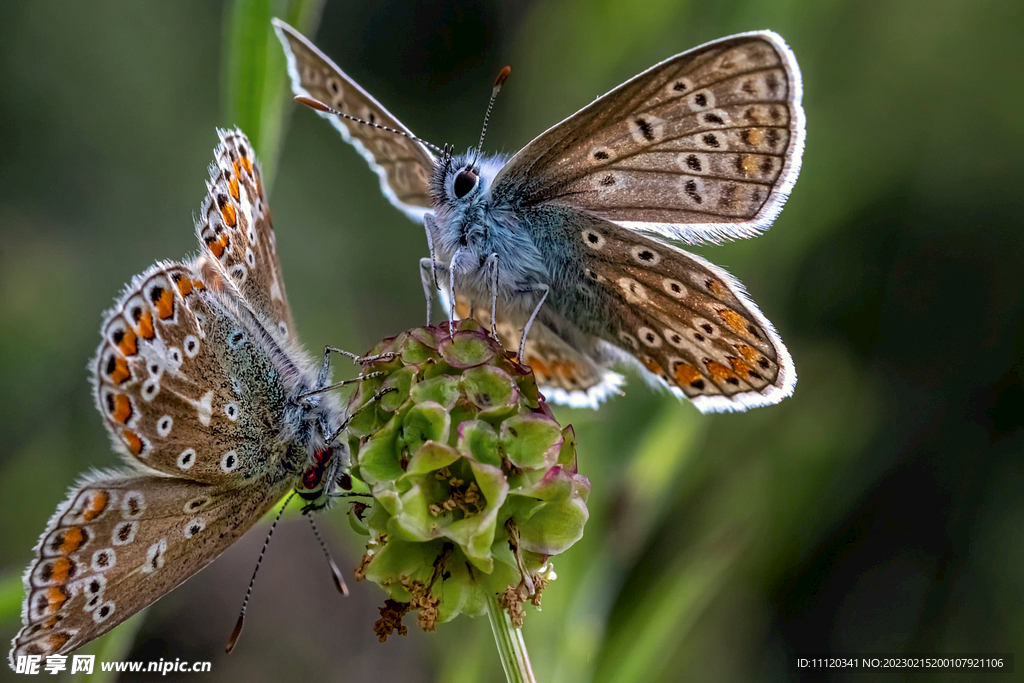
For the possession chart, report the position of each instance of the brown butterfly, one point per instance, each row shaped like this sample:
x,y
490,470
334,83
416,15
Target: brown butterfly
x,y
217,410
704,146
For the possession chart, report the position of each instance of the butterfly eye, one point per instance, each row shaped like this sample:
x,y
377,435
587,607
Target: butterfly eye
x,y
465,181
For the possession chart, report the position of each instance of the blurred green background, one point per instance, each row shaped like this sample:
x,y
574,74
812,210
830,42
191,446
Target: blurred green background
x,y
880,509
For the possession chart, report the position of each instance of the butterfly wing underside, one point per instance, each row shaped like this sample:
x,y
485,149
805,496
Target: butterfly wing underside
x,y
189,379
186,378
174,379
130,537
234,227
404,165
688,322
703,146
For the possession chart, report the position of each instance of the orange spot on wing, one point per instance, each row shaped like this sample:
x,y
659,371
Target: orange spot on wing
x,y
129,344
686,374
55,597
146,330
57,641
719,372
227,212
198,284
72,541
749,165
755,136
567,369
246,163
98,501
740,367
122,409
233,184
748,353
184,284
60,570
133,442
121,373
714,286
539,367
653,366
217,246
736,321
165,304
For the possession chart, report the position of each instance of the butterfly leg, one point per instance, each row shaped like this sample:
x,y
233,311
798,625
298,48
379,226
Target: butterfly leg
x,y
429,227
359,360
344,425
323,376
533,316
427,269
451,290
492,263
338,385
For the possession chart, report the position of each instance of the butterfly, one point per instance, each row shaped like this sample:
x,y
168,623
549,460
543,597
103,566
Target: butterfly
x,y
206,393
570,237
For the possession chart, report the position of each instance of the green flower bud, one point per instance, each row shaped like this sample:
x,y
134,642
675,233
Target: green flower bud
x,y
474,483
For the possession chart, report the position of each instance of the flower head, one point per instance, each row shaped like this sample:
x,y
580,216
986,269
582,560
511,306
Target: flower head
x,y
474,482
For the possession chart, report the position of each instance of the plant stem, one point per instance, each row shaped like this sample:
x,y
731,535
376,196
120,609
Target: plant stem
x,y
514,657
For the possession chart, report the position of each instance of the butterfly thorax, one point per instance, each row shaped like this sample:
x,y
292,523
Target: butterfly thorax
x,y
471,224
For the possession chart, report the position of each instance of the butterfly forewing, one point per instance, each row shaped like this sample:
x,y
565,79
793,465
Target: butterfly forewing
x,y
235,228
404,165
120,542
688,322
705,145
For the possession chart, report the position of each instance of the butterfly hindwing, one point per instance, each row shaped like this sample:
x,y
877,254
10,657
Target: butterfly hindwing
x,y
177,379
404,165
120,542
705,145
687,321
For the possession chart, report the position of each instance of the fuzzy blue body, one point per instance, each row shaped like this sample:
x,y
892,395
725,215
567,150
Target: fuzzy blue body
x,y
537,247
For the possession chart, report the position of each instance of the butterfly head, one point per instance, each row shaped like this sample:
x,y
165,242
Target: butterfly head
x,y
324,475
318,451
464,179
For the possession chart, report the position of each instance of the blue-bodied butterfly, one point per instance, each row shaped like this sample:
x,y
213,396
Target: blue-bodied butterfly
x,y
704,146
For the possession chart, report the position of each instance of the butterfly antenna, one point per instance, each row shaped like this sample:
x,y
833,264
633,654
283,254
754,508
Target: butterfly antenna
x,y
498,82
339,580
248,591
320,106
